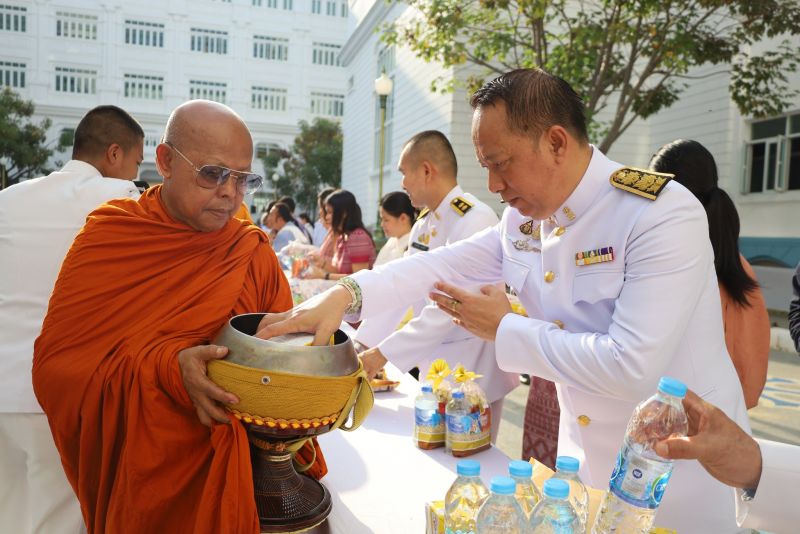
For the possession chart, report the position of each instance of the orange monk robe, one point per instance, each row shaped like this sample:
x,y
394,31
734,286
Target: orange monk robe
x,y
135,289
243,214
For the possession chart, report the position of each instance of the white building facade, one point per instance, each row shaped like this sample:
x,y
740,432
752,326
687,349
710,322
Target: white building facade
x,y
275,62
758,160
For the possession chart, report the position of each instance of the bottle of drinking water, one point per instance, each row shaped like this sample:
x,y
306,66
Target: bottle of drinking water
x,y
567,470
555,515
501,513
428,423
526,493
464,498
640,475
456,418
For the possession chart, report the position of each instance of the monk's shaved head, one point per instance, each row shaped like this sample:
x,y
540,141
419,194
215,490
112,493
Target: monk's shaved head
x,y
201,133
434,147
192,121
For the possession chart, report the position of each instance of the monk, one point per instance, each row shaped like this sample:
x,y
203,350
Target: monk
x,y
120,365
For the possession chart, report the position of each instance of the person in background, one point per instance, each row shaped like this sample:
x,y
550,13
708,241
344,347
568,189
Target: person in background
x,y
321,227
765,473
744,312
354,249
289,201
305,220
35,495
397,217
285,227
794,309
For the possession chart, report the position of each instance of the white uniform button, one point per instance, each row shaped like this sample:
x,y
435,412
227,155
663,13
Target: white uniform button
x,y
549,276
560,230
559,324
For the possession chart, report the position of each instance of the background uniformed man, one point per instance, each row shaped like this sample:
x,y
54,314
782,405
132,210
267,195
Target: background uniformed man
x,y
613,265
429,168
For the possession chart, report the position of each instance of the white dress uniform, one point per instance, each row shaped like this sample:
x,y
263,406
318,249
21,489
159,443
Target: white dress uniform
x,y
620,291
38,221
774,507
432,334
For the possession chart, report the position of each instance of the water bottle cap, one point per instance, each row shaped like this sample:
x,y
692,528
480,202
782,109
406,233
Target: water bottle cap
x,y
555,488
568,464
520,468
671,386
503,485
426,388
458,394
468,468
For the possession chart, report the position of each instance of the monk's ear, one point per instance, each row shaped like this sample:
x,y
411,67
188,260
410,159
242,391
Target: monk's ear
x,y
164,160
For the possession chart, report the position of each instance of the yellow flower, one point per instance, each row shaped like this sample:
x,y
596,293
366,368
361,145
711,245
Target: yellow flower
x,y
462,376
438,371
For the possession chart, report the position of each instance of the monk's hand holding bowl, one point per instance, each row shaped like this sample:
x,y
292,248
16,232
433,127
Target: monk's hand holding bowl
x,y
204,393
320,315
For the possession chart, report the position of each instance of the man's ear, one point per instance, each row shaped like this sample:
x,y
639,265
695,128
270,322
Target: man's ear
x,y
557,139
164,160
114,155
427,167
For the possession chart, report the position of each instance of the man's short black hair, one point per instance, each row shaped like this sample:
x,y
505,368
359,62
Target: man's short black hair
x,y
535,101
104,126
433,145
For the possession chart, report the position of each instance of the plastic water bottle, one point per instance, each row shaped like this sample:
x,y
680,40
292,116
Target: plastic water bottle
x,y
501,513
567,470
526,493
640,475
555,515
428,424
457,419
464,498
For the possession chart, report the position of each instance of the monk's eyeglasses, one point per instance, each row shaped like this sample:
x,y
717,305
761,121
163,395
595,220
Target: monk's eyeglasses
x,y
214,176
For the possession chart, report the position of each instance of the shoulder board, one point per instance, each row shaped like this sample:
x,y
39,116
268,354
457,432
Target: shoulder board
x,y
647,184
460,206
423,213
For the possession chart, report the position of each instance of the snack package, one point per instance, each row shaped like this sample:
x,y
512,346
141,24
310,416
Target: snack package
x,y
433,436
473,433
434,517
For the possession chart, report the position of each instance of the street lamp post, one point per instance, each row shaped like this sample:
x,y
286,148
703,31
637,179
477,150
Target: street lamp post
x,y
383,88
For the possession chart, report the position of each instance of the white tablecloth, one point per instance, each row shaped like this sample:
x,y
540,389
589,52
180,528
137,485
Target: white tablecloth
x,y
379,480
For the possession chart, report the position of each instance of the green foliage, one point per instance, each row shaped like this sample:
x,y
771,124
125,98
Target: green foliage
x,y
23,143
313,163
628,57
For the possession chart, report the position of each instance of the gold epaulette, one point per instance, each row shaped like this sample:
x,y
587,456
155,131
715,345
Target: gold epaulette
x,y
647,184
460,206
423,213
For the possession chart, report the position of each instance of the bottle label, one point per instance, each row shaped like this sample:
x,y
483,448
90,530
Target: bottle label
x,y
639,481
428,426
469,431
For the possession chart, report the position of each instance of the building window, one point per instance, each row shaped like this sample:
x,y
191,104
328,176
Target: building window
x,y
151,140
316,6
274,48
76,26
12,74
269,98
69,80
325,54
288,5
209,41
773,155
146,87
13,18
343,11
266,3
142,33
216,91
330,8
327,104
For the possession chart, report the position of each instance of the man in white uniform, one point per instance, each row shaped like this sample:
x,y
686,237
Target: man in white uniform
x,y
612,264
765,473
429,168
38,221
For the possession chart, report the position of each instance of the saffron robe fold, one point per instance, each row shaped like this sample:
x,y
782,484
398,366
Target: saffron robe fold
x,y
135,289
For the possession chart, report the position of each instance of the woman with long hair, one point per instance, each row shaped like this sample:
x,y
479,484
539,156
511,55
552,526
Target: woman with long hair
x,y
744,312
353,247
397,218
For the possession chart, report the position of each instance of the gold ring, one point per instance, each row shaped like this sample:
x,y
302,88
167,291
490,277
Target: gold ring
x,y
455,305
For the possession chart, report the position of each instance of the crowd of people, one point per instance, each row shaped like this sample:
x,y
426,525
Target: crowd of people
x,y
108,421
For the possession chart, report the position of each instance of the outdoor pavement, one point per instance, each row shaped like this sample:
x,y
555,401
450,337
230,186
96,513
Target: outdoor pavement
x,y
777,416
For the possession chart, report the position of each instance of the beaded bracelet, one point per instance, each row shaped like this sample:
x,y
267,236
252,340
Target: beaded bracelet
x,y
354,289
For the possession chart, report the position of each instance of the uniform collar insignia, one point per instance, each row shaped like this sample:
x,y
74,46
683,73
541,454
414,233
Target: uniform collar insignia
x,y
641,182
423,213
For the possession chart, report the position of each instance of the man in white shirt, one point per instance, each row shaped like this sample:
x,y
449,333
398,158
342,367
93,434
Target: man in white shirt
x,y
38,221
765,473
281,221
429,168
